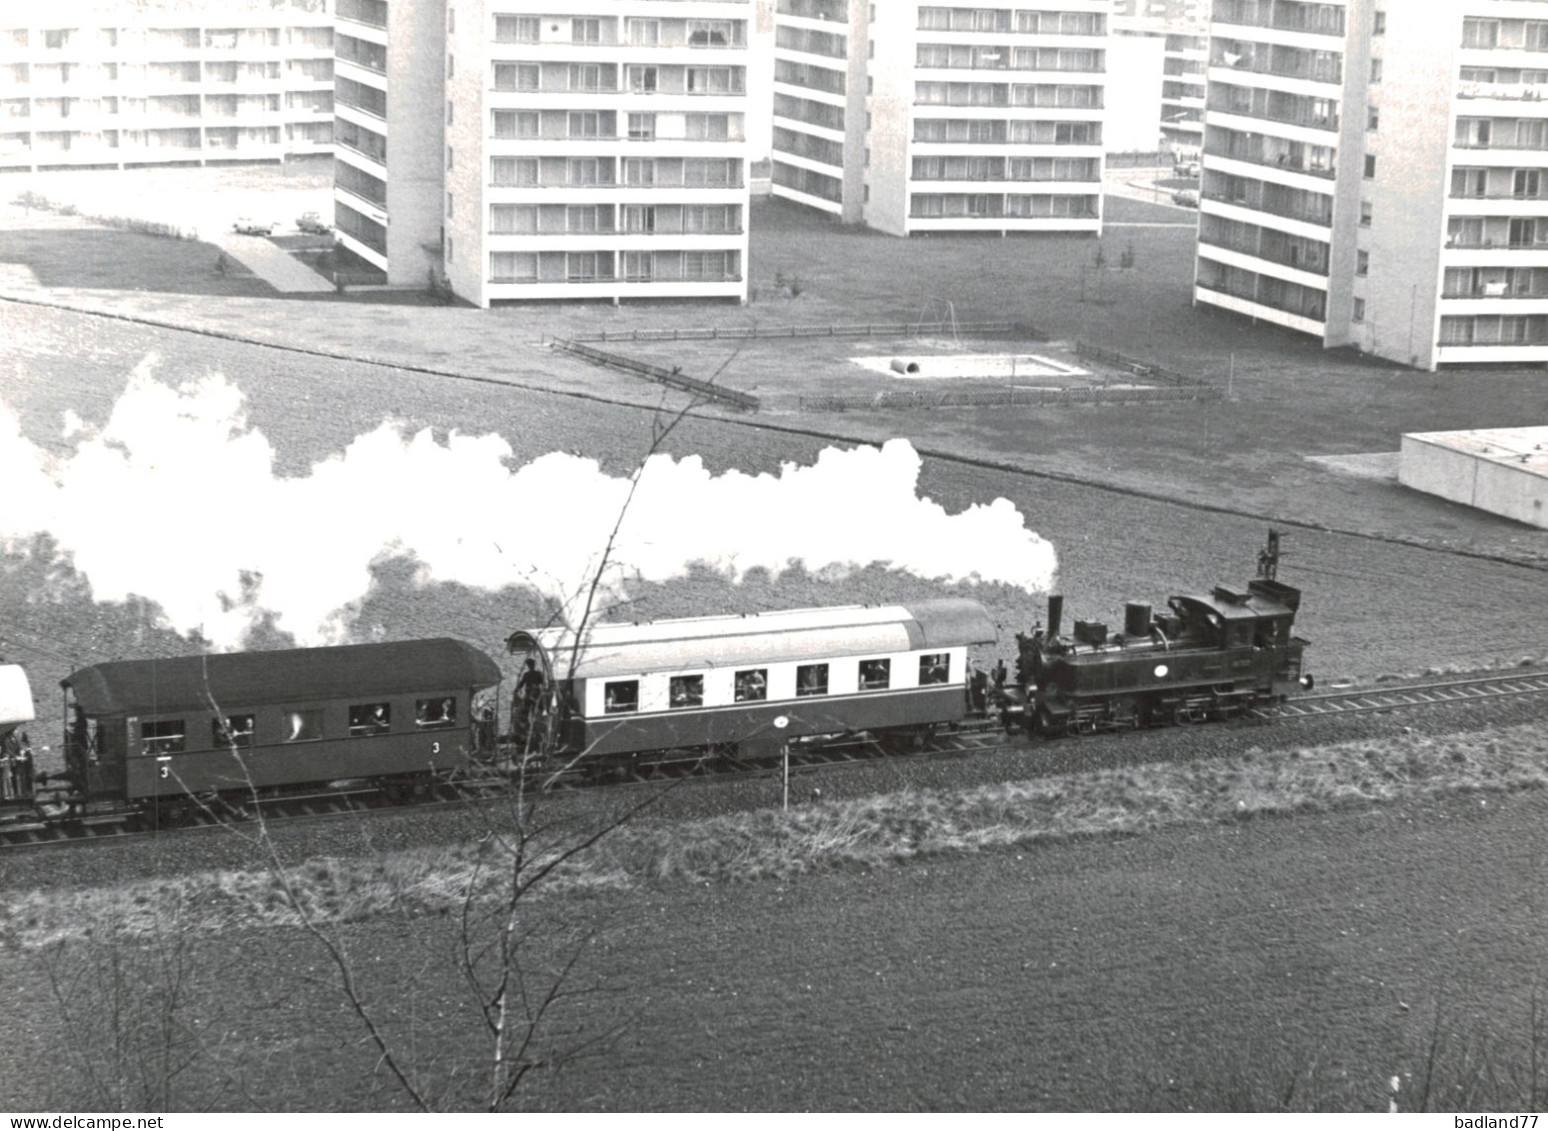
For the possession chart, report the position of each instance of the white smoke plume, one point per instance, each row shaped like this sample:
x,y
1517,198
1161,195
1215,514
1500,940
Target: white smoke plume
x,y
175,499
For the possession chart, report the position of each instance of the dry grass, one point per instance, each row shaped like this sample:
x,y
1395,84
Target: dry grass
x,y
870,832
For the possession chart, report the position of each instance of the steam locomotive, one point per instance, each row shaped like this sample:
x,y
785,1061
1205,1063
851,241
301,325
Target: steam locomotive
x,y
1211,656
156,737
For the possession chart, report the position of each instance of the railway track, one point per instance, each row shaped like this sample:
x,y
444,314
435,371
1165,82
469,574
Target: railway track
x,y
974,736
1400,696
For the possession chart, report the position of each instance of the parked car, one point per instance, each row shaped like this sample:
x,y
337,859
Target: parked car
x,y
1186,169
313,224
247,226
1186,197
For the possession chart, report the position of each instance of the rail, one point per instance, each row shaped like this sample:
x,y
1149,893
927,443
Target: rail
x,y
973,735
1398,696
672,378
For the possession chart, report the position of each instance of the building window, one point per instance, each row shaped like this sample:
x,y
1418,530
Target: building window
x,y
448,249
621,696
1359,310
1372,118
586,31
1370,165
448,206
639,266
1365,214
752,686
1362,263
435,712
303,725
517,29
517,76
448,158
233,730
642,127
1375,70
1379,24
451,20
687,691
811,679
451,67
448,111
369,718
875,675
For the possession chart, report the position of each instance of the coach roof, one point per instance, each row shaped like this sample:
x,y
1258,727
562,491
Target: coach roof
x,y
149,687
696,643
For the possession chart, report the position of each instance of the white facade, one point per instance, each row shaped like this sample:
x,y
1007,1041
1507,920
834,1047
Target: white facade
x,y
916,118
1500,470
594,149
96,84
1135,63
1376,174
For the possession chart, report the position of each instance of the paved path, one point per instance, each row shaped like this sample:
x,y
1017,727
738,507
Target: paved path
x,y
275,266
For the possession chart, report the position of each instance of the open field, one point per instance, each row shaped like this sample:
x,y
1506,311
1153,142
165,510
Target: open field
x,y
1250,964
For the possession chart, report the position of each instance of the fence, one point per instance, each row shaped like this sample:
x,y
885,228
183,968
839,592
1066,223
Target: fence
x,y
1142,369
865,330
672,378
980,398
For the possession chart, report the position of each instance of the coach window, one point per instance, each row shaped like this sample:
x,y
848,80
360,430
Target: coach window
x,y
369,718
233,730
935,668
687,691
303,725
166,736
435,712
752,685
622,695
812,679
875,675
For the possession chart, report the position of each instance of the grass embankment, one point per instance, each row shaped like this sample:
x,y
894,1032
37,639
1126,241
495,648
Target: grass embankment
x,y
874,831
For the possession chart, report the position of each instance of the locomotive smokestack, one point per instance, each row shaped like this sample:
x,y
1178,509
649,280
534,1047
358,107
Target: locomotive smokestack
x,y
1055,613
1136,619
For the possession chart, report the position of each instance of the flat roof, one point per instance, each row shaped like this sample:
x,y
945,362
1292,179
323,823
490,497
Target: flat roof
x,y
1522,449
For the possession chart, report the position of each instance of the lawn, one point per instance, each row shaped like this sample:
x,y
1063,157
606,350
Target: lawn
x,y
1286,398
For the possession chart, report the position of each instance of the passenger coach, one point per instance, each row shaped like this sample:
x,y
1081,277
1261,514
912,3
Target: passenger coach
x,y
146,729
751,682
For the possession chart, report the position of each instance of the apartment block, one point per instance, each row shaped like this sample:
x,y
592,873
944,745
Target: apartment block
x,y
1376,175
915,118
115,83
1185,56
596,149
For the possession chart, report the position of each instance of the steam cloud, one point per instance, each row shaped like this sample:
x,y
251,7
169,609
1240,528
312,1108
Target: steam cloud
x,y
175,499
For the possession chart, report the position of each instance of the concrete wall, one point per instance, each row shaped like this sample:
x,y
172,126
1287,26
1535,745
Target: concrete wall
x,y
467,42
1408,197
416,139
1134,77
896,38
1512,491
